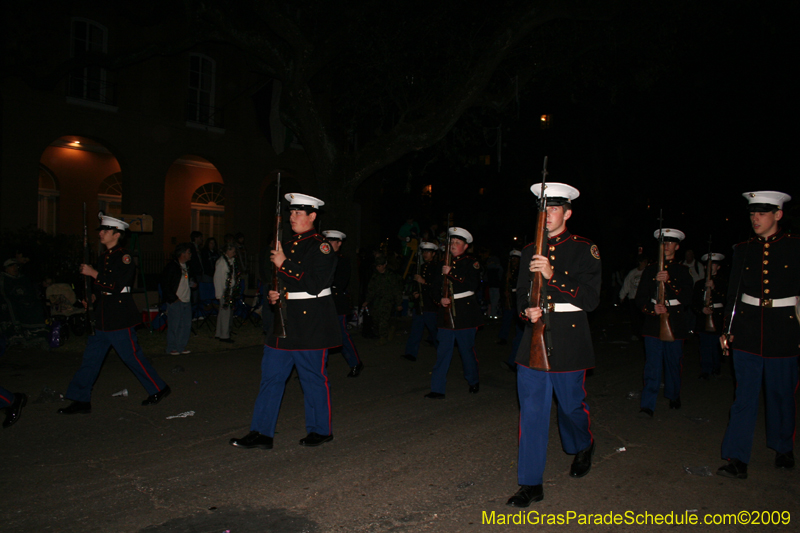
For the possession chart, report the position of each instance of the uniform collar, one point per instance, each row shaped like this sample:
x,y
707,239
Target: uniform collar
x,y
774,237
305,235
564,235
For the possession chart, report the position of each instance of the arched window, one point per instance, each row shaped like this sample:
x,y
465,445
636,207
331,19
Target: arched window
x,y
109,195
48,200
208,211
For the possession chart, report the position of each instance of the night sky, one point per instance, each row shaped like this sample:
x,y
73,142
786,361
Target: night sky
x,y
717,120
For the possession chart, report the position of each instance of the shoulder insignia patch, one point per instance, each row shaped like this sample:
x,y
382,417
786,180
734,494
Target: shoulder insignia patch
x,y
476,265
126,259
595,252
325,248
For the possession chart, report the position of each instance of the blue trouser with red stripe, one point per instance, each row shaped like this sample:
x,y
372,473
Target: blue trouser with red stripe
x,y
276,366
779,376
444,354
6,398
658,354
127,346
418,324
348,347
535,389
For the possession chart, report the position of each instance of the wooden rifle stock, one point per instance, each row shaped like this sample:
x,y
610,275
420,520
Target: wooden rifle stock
x,y
447,291
664,330
538,359
279,321
710,327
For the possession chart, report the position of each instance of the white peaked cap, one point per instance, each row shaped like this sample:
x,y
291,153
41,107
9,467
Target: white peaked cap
x,y
111,222
556,190
671,233
304,200
428,246
714,257
333,234
461,233
775,198
515,253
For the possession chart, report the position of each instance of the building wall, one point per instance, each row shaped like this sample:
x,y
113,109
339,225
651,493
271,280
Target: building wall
x,y
145,135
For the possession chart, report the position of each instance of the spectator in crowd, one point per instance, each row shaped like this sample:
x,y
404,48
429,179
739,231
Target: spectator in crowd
x,y
208,256
384,295
408,231
226,287
21,311
628,292
195,264
176,292
241,255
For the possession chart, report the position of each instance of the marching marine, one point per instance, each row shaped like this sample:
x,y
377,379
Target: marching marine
x,y
570,266
426,293
678,296
116,316
306,265
341,279
709,305
463,272
764,335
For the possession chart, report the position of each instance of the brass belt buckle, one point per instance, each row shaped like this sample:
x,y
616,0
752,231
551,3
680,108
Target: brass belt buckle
x,y
549,307
766,302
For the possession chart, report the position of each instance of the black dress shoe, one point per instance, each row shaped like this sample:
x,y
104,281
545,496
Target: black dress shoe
x,y
735,469
782,460
355,370
74,408
409,357
473,389
15,409
435,396
254,439
315,439
526,495
157,397
582,462
675,404
508,366
644,412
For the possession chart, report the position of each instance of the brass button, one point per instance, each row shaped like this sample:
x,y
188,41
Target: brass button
x,y
766,245
766,272
765,262
766,281
549,297
552,247
766,254
766,291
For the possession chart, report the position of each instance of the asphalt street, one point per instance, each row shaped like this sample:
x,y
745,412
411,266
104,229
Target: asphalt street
x,y
398,462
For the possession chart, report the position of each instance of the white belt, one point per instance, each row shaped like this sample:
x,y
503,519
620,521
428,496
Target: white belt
x,y
306,296
513,290
123,291
462,295
671,303
791,301
717,306
565,308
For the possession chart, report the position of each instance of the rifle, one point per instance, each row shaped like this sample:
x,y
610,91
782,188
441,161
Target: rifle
x,y
87,283
539,358
664,331
418,300
709,325
279,322
447,290
726,349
